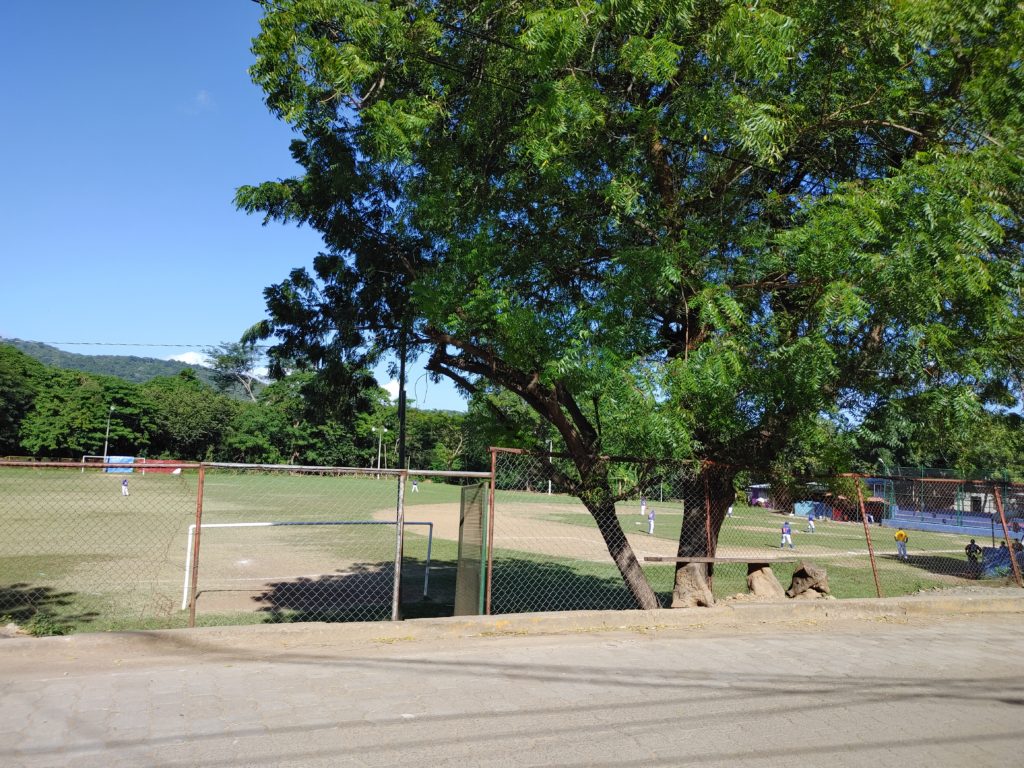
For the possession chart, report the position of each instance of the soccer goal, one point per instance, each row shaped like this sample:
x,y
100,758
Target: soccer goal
x,y
189,552
126,464
93,461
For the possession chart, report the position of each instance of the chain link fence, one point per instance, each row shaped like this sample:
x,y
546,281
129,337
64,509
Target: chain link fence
x,y
709,527
295,544
129,546
88,548
81,548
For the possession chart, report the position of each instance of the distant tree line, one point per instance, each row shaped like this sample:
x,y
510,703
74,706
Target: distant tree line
x,y
48,412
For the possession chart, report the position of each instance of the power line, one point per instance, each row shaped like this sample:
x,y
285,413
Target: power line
x,y
123,344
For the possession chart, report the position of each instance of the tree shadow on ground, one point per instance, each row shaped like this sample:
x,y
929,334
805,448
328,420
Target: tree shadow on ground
x,y
525,586
940,565
41,610
363,592
360,593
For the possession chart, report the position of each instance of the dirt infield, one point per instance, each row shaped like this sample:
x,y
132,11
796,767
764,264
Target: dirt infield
x,y
523,527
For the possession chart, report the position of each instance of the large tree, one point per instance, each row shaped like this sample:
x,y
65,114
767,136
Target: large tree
x,y
190,417
20,379
234,365
696,229
77,413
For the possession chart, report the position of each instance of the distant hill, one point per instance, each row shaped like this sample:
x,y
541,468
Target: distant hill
x,y
137,370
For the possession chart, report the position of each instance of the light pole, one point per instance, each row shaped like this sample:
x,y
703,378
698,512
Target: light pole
x,y
106,439
380,440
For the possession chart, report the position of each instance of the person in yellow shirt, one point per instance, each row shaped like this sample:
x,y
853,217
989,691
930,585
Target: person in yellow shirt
x,y
901,544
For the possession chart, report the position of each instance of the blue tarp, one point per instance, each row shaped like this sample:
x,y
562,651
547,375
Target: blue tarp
x,y
995,562
120,460
805,508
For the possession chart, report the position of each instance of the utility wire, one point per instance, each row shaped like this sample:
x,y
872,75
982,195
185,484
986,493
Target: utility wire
x,y
122,344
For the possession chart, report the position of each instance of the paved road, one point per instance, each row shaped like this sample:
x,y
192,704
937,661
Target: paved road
x,y
876,691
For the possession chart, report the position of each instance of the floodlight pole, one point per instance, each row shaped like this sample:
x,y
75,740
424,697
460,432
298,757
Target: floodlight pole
x,y
106,439
380,440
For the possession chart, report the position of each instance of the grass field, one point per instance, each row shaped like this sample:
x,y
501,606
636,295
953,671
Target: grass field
x,y
75,554
937,560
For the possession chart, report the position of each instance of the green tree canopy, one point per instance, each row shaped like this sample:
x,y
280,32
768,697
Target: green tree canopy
x,y
234,365
20,379
190,417
71,412
670,228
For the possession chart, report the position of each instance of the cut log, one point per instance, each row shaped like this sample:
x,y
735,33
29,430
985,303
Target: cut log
x,y
761,581
808,576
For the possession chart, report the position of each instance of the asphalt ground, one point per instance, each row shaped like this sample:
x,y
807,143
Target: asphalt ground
x,y
929,680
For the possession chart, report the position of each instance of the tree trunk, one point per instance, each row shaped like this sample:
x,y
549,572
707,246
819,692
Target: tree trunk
x,y
600,503
706,499
692,589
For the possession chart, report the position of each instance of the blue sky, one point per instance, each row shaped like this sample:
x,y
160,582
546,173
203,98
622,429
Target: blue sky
x,y
127,127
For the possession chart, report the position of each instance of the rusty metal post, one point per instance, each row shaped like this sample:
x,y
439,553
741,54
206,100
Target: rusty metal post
x,y
1006,537
867,536
709,568
195,548
490,531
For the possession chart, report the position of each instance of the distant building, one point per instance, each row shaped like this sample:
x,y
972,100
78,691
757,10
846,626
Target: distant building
x,y
759,495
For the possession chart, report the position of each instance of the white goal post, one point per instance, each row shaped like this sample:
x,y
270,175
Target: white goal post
x,y
191,540
93,459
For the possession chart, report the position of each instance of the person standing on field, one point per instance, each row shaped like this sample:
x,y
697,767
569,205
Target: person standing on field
x,y
787,535
643,506
124,487
901,544
973,552
650,521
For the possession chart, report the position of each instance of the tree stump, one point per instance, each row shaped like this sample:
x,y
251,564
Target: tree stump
x,y
691,589
761,581
808,576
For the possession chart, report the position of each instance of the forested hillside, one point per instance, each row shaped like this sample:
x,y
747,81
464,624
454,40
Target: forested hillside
x,y
137,370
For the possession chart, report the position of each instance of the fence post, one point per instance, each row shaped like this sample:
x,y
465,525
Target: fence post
x,y
867,536
396,595
1006,537
489,536
710,567
195,548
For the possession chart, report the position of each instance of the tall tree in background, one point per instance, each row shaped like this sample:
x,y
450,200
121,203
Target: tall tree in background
x,y
234,364
71,412
20,379
190,417
693,229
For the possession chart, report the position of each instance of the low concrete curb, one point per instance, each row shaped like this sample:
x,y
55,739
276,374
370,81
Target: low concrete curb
x,y
271,639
